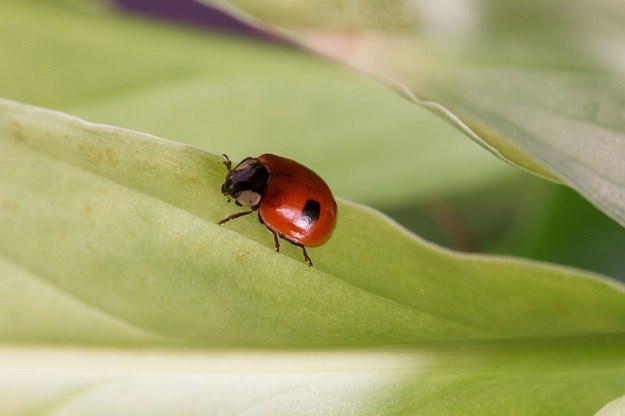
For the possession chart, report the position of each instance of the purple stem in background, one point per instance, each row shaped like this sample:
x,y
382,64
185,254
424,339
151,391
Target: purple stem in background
x,y
191,12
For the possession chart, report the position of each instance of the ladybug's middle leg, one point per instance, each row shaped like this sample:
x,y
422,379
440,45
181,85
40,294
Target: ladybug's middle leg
x,y
306,258
275,234
275,240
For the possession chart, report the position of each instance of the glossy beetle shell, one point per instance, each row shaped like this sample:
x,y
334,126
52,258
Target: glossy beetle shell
x,y
297,203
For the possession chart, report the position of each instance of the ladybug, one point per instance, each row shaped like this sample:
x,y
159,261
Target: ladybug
x,y
292,201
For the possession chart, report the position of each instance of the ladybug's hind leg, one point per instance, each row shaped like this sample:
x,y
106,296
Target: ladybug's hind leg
x,y
277,242
306,258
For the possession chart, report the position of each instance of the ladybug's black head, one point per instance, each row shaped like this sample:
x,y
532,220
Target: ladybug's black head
x,y
246,182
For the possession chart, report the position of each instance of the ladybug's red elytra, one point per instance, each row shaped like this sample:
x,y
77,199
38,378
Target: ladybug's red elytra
x,y
292,201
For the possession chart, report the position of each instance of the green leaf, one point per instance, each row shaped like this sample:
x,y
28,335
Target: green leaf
x,y
238,97
538,87
128,208
109,238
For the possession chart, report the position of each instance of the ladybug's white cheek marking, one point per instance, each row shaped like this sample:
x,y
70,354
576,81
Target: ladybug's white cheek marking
x,y
249,198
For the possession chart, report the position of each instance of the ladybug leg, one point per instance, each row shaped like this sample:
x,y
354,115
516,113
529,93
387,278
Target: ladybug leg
x,y
275,234
233,216
275,240
306,258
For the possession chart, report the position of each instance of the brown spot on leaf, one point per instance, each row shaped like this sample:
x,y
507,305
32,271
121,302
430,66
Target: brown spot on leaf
x,y
190,179
89,213
242,256
17,131
9,206
98,155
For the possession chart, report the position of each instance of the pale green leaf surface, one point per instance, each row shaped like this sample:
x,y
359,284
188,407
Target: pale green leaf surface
x,y
238,97
522,378
538,87
109,237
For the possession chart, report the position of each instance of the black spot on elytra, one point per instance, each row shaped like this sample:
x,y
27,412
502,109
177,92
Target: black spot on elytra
x,y
311,211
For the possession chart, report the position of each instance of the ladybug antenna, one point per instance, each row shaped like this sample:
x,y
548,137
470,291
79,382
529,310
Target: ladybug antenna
x,y
227,162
